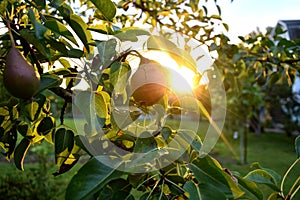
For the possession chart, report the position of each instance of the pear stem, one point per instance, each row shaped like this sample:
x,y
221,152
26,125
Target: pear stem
x,y
7,23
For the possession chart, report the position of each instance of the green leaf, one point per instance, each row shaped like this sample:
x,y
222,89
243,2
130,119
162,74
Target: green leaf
x,y
208,170
145,143
250,186
90,179
60,28
63,144
203,191
40,44
122,118
24,129
46,125
130,34
65,10
107,50
39,29
8,142
56,3
182,57
64,139
83,103
116,189
75,53
49,81
119,74
216,17
64,63
161,43
297,145
62,71
166,132
273,78
106,7
263,177
101,107
65,167
275,196
80,28
82,142
20,153
32,109
57,46
41,4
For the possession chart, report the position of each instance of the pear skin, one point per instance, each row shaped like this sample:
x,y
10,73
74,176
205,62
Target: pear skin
x,y
19,77
148,83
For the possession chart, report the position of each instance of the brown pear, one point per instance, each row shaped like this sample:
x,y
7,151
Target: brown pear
x,y
19,77
148,83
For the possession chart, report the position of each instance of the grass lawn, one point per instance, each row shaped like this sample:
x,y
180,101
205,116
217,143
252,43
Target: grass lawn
x,y
275,151
271,150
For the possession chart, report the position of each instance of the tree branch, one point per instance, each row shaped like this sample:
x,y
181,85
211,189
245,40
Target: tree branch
x,y
63,93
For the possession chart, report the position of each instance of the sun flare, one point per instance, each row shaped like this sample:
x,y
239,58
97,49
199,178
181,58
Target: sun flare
x,y
181,78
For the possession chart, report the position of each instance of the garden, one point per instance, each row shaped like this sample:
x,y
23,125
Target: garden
x,y
144,100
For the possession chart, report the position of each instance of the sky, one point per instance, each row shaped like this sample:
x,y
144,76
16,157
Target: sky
x,y
244,16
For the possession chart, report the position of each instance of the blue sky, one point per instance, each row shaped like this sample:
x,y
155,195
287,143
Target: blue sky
x,y
243,16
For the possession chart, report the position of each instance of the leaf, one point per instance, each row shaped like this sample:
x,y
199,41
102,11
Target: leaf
x,y
46,125
82,142
39,29
263,177
106,7
39,44
116,189
208,170
41,4
130,34
161,43
275,196
203,191
101,107
20,153
60,28
64,10
8,142
56,3
250,186
32,109
80,28
145,143
90,179
122,118
297,146
60,47
75,53
107,50
119,74
273,78
166,132
49,81
216,17
183,58
83,102
63,144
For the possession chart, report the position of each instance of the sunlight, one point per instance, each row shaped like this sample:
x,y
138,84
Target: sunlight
x,y
180,77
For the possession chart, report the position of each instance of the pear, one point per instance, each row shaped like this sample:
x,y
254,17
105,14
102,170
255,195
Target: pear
x,y
148,83
19,77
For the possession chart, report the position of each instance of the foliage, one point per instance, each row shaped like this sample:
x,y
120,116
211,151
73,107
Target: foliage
x,y
36,181
48,33
268,62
